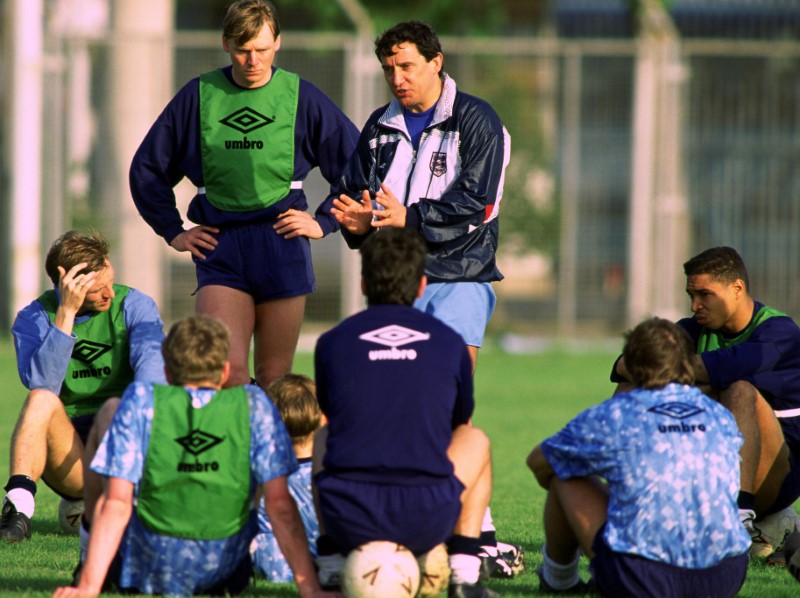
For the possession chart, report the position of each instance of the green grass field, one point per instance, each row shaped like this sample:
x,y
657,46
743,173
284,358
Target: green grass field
x,y
521,399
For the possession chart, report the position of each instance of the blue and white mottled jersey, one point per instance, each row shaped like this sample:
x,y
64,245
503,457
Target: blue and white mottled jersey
x,y
268,559
158,564
671,460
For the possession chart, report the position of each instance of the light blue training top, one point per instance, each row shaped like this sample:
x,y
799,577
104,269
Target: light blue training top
x,y
671,459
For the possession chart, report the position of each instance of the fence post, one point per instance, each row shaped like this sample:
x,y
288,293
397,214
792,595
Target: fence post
x,y
658,230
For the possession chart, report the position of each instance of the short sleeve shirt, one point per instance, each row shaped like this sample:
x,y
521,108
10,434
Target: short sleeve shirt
x,y
267,556
159,564
670,457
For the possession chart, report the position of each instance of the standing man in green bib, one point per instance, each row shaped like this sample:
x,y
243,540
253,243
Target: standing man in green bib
x,y
748,358
182,464
77,345
247,136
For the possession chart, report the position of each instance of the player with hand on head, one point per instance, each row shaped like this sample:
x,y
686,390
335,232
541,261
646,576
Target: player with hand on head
x,y
398,460
246,136
645,483
182,464
748,358
77,345
295,396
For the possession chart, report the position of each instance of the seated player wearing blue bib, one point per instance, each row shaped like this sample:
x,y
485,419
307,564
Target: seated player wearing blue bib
x,y
399,460
645,483
182,464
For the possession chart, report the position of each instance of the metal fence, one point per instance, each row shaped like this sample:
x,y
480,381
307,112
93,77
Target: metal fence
x,y
565,224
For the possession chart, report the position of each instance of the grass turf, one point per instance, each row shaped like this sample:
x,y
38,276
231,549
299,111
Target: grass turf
x,y
521,399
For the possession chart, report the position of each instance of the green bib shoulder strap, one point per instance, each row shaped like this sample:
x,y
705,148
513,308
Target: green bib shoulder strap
x,y
247,140
711,340
196,481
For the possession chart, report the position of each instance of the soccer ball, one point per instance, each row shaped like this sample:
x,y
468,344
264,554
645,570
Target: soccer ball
x,y
380,569
434,571
774,530
69,515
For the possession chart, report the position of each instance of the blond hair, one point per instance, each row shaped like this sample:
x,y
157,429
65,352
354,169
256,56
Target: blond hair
x,y
196,350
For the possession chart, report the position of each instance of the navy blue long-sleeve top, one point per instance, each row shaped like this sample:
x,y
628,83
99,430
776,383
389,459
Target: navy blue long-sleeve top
x,y
394,383
324,138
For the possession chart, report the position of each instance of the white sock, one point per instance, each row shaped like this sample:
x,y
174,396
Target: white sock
x,y
748,519
83,533
487,525
557,576
22,500
464,568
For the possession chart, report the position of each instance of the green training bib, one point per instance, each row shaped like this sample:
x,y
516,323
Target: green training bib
x,y
711,340
196,481
247,140
100,366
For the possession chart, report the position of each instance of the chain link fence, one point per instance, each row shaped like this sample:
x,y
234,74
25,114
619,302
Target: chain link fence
x,y
565,223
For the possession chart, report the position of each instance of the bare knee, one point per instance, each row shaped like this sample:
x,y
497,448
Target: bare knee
x,y
739,396
43,401
102,420
470,452
474,438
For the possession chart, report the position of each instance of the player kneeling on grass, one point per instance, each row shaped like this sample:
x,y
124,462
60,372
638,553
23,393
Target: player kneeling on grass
x,y
664,522
399,460
190,456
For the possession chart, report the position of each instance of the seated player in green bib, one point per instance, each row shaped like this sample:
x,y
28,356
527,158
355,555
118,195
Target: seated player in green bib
x,y
77,345
182,464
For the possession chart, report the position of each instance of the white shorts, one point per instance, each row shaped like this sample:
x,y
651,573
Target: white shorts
x,y
464,306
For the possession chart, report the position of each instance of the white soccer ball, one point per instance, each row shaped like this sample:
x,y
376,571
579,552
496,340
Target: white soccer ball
x,y
775,529
380,569
69,515
434,572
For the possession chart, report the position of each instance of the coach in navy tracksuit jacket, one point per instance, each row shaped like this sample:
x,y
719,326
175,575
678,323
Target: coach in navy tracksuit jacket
x,y
433,160
452,184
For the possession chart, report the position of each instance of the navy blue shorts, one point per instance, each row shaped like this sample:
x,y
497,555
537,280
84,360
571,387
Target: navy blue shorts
x,y
82,425
419,517
622,575
256,260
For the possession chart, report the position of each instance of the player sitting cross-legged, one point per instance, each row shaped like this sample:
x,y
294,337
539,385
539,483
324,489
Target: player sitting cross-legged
x,y
182,463
645,483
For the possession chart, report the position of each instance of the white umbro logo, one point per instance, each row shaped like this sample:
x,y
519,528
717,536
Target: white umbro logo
x,y
393,336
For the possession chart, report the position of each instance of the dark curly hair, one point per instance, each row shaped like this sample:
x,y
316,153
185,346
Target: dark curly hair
x,y
418,33
722,264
